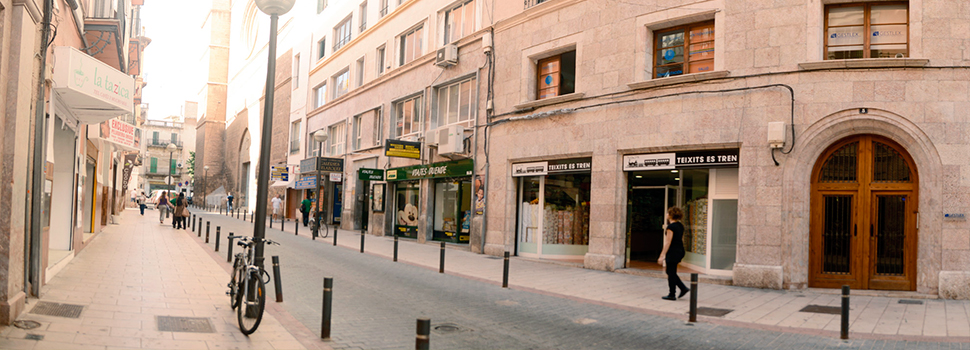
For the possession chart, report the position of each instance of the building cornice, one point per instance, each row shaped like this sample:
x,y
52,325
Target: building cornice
x,y
533,13
32,9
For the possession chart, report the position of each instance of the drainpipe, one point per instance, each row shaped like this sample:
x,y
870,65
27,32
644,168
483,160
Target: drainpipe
x,y
32,256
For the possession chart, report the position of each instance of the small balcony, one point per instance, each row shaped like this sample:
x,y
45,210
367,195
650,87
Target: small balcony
x,y
163,143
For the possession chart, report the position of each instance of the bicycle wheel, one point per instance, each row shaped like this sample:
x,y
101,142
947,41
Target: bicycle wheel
x,y
237,272
252,298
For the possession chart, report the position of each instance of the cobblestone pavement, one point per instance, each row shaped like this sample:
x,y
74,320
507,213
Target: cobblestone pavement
x,y
376,303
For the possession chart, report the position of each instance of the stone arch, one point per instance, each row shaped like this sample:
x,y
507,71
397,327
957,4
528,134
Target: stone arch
x,y
797,178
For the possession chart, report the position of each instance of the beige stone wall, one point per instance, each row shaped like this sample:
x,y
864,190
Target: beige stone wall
x,y
923,108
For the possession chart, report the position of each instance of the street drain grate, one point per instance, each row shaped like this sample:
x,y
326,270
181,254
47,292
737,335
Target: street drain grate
x,y
713,312
184,324
819,309
26,324
448,328
34,337
910,302
56,309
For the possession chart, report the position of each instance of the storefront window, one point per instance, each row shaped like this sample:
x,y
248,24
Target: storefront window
x,y
695,205
452,210
553,208
406,200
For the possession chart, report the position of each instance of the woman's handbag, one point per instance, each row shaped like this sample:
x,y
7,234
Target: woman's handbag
x,y
185,212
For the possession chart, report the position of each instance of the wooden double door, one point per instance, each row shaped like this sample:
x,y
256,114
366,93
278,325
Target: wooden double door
x,y
863,223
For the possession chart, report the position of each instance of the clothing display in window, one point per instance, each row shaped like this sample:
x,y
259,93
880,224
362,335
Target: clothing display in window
x,y
695,215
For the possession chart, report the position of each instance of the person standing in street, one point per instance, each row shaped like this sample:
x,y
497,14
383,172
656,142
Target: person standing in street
x,y
229,202
141,202
305,209
673,252
178,219
277,206
163,207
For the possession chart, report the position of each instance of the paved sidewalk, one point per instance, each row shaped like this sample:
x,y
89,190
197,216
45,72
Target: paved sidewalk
x,y
872,317
132,273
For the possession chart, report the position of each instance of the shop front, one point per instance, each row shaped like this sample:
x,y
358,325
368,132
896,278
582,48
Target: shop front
x,y
331,171
450,200
553,208
702,183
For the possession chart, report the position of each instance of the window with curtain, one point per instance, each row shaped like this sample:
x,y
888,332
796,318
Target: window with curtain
x,y
338,139
459,22
295,137
341,83
410,44
557,75
695,41
867,30
342,34
320,95
378,126
456,103
407,116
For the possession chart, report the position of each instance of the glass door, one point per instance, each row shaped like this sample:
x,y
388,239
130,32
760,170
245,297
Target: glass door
x,y
889,257
529,216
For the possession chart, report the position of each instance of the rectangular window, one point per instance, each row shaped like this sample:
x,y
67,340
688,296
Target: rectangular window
x,y
314,146
296,71
321,5
341,83
321,48
407,116
175,138
411,45
456,103
696,41
319,95
295,137
557,75
530,3
378,126
380,60
154,137
153,168
363,17
338,137
459,22
342,34
383,9
869,30
360,72
357,127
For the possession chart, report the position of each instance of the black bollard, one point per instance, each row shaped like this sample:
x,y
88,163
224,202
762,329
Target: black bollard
x,y
845,313
276,279
505,272
395,248
206,231
693,298
441,264
200,227
327,299
244,215
296,230
193,222
334,236
423,340
229,243
218,231
361,241
270,222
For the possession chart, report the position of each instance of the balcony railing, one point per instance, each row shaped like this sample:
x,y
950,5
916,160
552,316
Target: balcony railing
x,y
363,26
162,123
162,172
163,143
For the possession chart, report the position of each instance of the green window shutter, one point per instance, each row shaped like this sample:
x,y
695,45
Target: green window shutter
x,y
154,166
155,137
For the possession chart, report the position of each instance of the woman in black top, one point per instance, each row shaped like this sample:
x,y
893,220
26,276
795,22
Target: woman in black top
x,y
673,252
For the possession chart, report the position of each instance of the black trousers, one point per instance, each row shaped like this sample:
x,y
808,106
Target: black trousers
x,y
306,218
673,280
178,222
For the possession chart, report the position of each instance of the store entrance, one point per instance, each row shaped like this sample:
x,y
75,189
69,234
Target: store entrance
x,y
646,212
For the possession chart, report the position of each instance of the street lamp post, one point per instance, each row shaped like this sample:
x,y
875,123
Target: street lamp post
x,y
205,184
320,136
273,8
171,169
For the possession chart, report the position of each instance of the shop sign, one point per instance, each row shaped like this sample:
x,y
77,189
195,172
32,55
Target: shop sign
x,y
307,182
336,177
324,164
117,132
366,174
459,168
687,159
93,90
553,167
402,149
279,173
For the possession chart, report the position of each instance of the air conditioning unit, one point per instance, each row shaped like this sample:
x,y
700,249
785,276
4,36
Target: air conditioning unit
x,y
451,139
431,139
447,56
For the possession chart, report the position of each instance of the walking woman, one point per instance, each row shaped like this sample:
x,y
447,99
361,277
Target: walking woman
x,y
163,207
673,252
178,219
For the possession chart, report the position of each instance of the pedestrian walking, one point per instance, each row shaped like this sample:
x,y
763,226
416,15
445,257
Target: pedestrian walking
x,y
141,202
163,207
305,209
229,202
277,206
181,212
673,252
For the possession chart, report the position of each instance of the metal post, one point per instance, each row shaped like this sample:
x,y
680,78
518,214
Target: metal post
x,y
334,236
200,227
296,231
505,272
327,300
207,231
276,279
441,264
270,222
244,214
218,232
395,248
693,298
361,241
423,339
193,222
229,243
845,312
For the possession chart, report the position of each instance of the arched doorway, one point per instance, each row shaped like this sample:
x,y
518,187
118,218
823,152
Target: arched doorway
x,y
863,223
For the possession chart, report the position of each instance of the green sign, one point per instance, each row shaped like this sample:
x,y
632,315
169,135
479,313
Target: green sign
x,y
370,174
430,171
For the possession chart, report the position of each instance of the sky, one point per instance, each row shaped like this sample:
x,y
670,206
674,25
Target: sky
x,y
172,67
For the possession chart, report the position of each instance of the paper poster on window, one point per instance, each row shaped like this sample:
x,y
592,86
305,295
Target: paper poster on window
x,y
479,195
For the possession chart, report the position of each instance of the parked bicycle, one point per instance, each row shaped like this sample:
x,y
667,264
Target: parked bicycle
x,y
322,230
247,286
